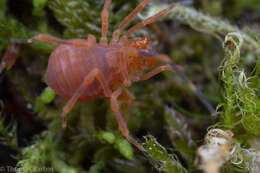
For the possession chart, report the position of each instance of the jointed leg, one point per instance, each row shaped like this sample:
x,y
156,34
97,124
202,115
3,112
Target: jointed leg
x,y
195,90
154,72
104,17
95,74
171,67
121,123
128,19
11,53
147,21
123,67
127,98
121,63
47,38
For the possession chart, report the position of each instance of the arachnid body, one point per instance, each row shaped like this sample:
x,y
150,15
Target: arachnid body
x,y
82,69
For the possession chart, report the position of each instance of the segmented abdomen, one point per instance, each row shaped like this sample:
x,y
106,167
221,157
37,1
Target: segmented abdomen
x,y
68,66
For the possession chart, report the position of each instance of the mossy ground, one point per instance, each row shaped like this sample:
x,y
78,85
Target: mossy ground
x,y
217,46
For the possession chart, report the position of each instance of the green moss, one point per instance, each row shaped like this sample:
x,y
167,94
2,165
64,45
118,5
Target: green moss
x,y
45,154
47,96
96,168
180,134
8,133
205,24
92,142
124,148
38,7
82,17
3,9
108,137
240,6
166,162
240,99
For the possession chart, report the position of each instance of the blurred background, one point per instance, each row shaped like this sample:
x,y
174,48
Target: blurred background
x,y
192,34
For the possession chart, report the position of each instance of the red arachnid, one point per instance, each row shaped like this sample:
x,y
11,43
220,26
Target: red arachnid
x,y
82,69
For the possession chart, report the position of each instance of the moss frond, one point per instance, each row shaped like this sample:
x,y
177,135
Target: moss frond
x,y
46,156
160,158
82,17
8,133
240,104
204,23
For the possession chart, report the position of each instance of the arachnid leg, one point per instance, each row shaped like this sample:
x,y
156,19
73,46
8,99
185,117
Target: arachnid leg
x,y
154,72
128,19
123,66
94,74
127,99
121,63
81,43
11,54
121,122
172,67
147,21
124,53
104,18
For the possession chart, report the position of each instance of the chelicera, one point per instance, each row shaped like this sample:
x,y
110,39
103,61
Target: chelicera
x,y
82,69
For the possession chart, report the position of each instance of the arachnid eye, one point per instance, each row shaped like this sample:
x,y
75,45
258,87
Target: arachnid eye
x,y
141,43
